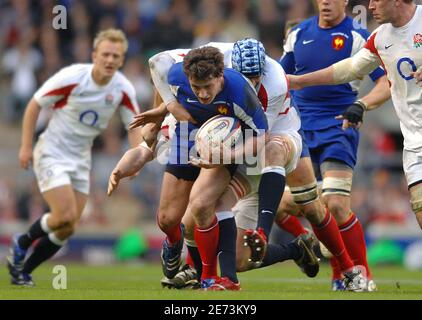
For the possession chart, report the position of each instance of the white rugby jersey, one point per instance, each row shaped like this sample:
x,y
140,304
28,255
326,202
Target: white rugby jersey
x,y
82,108
273,91
399,50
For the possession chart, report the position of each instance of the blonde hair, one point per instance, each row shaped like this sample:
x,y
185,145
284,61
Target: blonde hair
x,y
113,35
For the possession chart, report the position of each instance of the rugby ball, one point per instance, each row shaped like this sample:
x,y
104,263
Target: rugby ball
x,y
217,131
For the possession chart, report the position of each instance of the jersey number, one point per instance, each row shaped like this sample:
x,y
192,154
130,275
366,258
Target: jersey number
x,y
404,65
89,117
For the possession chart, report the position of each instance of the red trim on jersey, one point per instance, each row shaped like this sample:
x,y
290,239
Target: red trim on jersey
x,y
165,131
370,45
285,111
126,102
64,91
288,88
263,97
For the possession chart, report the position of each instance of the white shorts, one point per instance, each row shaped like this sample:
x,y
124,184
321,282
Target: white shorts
x,y
246,178
245,186
246,212
412,165
55,170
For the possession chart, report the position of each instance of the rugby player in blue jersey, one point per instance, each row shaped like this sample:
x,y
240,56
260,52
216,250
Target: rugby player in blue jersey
x,y
204,88
314,44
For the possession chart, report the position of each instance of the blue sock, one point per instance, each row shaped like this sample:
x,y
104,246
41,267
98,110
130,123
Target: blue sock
x,y
227,248
270,191
281,252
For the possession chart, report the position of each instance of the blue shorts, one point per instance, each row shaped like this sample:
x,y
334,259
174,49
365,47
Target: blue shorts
x,y
332,143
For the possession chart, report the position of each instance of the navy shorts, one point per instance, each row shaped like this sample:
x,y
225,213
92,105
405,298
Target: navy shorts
x,y
332,143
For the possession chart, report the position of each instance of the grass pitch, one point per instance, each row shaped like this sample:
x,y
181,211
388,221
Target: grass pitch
x,y
279,282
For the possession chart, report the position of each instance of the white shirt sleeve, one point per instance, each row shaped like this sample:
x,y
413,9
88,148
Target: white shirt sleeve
x,y
364,62
128,105
160,65
58,86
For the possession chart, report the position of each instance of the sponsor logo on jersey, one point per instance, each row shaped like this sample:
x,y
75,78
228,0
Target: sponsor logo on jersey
x,y
109,99
417,40
338,42
222,110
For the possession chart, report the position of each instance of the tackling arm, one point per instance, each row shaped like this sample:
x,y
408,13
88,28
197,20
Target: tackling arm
x,y
132,161
343,71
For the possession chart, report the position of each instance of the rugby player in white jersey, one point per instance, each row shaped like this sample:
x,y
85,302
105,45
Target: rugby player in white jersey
x,y
83,98
397,46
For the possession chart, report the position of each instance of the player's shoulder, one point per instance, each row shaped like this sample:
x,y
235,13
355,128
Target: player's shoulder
x,y
305,24
176,76
381,31
274,78
234,79
302,28
74,71
122,81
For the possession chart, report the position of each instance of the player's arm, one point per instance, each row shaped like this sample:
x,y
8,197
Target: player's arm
x,y
353,116
418,76
160,66
129,165
347,70
287,61
28,129
252,114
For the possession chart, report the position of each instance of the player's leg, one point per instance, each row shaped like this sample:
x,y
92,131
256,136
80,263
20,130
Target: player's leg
x,y
412,166
278,152
282,153
175,189
287,215
304,189
63,213
207,189
336,190
50,244
300,249
416,201
189,275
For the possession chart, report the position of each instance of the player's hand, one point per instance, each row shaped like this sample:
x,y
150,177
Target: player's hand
x,y
155,116
353,116
113,181
294,82
418,76
25,157
199,162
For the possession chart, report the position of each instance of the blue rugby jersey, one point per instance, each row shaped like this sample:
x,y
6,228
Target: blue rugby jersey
x,y
236,99
310,48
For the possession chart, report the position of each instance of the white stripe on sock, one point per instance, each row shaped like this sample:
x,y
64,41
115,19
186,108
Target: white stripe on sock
x,y
44,225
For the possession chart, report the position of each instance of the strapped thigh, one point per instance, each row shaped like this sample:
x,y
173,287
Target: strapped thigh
x,y
305,194
416,197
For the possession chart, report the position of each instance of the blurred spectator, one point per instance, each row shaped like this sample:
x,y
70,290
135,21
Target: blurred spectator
x,y
21,63
136,73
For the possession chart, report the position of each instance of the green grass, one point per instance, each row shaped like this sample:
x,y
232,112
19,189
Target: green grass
x,y
280,282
